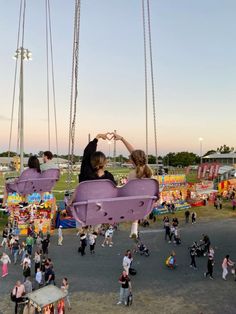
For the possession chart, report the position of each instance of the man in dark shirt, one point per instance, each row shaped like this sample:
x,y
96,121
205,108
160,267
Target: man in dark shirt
x,y
45,244
125,288
49,275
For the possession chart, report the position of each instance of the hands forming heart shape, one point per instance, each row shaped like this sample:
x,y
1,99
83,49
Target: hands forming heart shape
x,y
110,136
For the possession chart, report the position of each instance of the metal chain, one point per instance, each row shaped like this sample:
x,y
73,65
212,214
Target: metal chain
x,y
152,81
53,76
47,71
145,74
74,91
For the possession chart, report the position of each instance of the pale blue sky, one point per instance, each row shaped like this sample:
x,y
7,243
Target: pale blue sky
x,y
194,55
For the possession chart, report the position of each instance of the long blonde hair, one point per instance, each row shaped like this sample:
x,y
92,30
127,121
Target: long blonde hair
x,y
140,161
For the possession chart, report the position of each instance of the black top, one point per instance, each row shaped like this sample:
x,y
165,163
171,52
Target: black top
x,y
126,281
86,171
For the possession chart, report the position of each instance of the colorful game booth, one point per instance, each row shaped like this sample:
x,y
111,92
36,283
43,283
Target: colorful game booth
x,y
30,204
39,213
173,194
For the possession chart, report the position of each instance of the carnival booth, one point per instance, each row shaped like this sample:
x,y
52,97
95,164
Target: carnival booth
x,y
173,193
47,300
227,187
201,193
30,204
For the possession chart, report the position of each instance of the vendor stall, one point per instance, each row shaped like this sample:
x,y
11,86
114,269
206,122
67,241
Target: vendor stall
x,y
47,300
38,212
201,193
173,193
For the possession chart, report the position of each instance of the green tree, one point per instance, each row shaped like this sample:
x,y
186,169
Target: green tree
x,y
224,149
183,159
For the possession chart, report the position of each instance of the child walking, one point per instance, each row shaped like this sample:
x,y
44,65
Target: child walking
x,y
5,261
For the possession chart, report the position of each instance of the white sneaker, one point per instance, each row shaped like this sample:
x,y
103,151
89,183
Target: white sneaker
x,y
103,245
118,303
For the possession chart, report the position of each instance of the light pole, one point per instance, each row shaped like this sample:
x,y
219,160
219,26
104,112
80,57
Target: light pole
x,y
22,54
200,142
109,151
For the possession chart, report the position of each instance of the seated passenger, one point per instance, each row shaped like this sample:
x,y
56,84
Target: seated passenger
x,y
31,172
48,162
93,165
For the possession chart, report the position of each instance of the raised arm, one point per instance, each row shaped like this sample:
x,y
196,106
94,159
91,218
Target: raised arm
x,y
117,137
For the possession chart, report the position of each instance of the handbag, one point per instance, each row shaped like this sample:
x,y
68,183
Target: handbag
x,y
13,296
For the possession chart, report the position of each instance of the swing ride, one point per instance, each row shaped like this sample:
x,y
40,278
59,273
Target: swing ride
x,y
97,201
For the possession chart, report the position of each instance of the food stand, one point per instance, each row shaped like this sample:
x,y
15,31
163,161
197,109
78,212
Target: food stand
x,y
47,300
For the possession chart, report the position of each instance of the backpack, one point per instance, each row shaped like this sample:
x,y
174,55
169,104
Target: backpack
x,y
132,271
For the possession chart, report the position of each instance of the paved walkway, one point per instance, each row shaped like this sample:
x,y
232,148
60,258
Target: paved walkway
x,y
99,273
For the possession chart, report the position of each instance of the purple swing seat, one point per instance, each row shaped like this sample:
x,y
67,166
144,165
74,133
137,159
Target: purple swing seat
x,y
33,181
100,201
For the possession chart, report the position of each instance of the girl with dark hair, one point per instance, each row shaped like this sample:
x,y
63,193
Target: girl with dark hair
x,y
94,162
33,163
32,170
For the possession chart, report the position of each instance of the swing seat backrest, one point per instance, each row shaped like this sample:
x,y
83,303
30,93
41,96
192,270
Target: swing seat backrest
x,y
34,182
100,201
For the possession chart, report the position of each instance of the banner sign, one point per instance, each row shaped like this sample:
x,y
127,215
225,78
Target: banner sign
x,y
166,180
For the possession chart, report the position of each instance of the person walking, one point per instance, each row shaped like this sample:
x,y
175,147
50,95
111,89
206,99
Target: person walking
x,y
127,260
26,271
210,264
18,291
5,261
37,260
125,288
187,214
194,216
4,237
29,244
60,235
65,288
83,244
39,278
45,245
92,241
15,250
193,256
49,275
226,262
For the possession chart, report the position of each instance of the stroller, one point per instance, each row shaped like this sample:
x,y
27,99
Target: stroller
x,y
200,249
142,249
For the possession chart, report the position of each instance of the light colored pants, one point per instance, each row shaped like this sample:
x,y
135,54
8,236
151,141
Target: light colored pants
x,y
126,269
4,242
134,228
124,292
225,272
60,239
